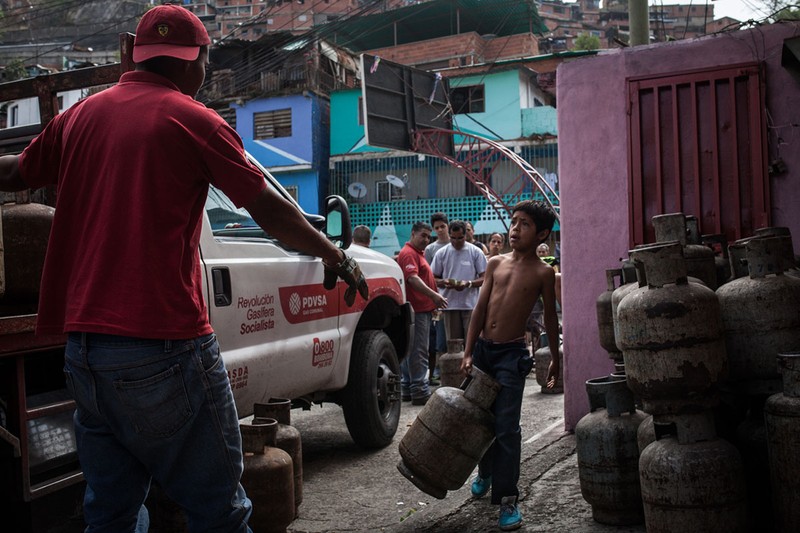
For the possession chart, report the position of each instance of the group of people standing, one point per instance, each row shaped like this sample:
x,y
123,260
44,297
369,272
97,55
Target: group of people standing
x,y
484,297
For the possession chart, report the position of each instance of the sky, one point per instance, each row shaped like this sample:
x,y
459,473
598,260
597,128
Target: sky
x,y
739,9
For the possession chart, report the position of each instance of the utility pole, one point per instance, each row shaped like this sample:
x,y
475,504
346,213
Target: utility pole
x,y
639,20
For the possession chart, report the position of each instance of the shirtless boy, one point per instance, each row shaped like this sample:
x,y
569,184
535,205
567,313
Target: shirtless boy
x,y
496,345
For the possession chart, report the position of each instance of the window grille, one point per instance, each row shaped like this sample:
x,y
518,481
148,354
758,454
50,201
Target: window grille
x,y
272,124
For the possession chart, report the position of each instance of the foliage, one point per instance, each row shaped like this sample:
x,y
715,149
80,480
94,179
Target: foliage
x,y
15,70
584,41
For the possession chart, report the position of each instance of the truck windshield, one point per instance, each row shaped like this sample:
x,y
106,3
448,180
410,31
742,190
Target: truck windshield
x,y
222,213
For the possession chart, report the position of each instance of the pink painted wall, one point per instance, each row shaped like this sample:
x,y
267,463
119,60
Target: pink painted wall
x,y
593,165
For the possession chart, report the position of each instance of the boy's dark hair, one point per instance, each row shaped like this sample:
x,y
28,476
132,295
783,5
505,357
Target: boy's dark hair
x,y
420,225
436,217
458,225
542,214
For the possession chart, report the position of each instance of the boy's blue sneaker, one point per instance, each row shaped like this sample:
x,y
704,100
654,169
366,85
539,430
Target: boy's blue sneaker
x,y
510,517
480,486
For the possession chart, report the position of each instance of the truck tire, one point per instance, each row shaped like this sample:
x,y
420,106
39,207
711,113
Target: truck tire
x,y
371,399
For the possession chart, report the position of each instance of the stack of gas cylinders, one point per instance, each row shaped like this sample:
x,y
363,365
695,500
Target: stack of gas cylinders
x,y
705,339
273,466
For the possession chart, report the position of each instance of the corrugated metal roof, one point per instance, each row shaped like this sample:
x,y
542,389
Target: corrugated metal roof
x,y
437,18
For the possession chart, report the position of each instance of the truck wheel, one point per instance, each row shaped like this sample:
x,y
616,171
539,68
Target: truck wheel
x,y
371,399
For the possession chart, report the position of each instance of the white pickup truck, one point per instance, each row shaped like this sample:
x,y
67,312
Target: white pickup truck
x,y
283,335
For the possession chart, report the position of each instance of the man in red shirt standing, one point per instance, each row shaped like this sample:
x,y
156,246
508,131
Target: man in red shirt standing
x,y
424,298
122,278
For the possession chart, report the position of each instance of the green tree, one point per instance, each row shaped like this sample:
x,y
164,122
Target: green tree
x,y
780,9
584,41
15,70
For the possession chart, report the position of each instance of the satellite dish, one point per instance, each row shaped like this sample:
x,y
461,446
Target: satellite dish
x,y
357,190
394,180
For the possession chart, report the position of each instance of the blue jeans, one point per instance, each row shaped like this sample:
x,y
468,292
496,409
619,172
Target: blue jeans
x,y
154,409
414,368
508,363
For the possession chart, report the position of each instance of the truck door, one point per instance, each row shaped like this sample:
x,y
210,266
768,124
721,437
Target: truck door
x,y
277,326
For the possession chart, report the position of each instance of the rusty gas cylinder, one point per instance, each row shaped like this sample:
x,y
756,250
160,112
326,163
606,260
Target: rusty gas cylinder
x,y
699,258
791,268
646,434
26,230
541,364
761,318
608,457
605,315
782,416
718,244
268,477
449,436
629,282
737,256
670,333
691,480
450,372
287,439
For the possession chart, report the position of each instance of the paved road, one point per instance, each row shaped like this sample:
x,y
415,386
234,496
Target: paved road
x,y
349,489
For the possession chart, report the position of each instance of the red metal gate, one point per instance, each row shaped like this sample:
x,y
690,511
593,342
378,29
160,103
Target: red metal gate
x,y
698,146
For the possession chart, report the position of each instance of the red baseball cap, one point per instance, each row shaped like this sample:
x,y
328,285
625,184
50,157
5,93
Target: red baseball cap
x,y
169,30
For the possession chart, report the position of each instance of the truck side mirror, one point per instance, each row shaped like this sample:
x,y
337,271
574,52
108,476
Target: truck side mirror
x,y
337,222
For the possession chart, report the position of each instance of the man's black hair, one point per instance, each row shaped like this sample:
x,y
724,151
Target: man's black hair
x,y
458,225
420,225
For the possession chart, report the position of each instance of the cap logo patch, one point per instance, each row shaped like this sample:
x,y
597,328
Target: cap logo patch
x,y
163,30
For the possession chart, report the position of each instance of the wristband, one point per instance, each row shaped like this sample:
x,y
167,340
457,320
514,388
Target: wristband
x,y
469,284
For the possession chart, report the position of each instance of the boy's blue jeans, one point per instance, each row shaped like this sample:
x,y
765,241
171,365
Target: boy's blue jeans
x,y
508,363
154,409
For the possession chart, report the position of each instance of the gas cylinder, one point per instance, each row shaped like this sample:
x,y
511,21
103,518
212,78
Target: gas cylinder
x,y
691,480
671,335
287,439
761,318
268,477
449,436
791,267
450,371
26,230
782,415
737,255
541,363
684,229
605,316
718,244
608,457
629,282
645,435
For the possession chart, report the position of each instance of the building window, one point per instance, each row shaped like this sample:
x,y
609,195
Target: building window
x,y
360,110
272,124
13,116
293,191
483,177
386,192
467,99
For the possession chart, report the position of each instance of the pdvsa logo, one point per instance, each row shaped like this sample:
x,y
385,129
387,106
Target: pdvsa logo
x,y
312,303
294,303
304,303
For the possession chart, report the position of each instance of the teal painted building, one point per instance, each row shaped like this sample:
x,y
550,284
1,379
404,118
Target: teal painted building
x,y
504,105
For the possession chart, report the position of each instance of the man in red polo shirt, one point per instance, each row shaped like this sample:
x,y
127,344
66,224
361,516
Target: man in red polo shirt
x,y
424,298
122,277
